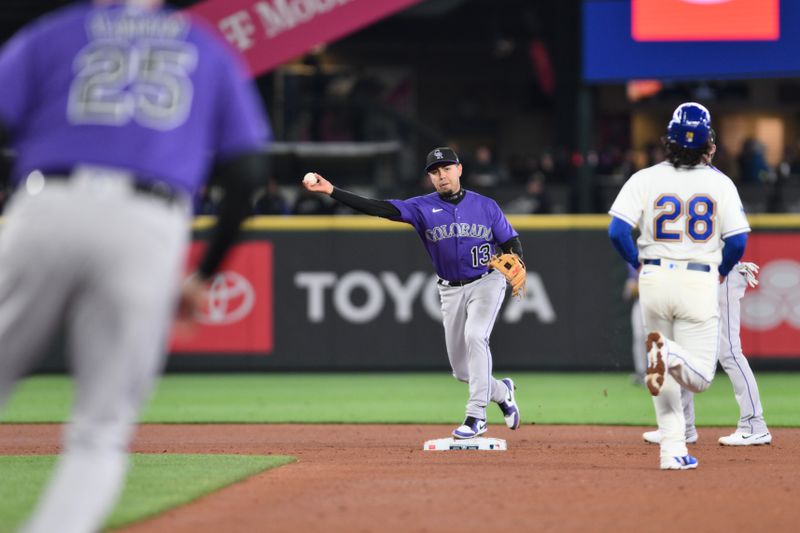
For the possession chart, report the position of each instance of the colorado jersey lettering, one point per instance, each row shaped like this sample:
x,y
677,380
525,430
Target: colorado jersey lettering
x,y
456,236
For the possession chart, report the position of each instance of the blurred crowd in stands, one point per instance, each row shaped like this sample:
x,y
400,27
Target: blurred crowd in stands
x,y
545,182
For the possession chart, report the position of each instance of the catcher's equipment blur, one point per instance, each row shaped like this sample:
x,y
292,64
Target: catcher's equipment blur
x,y
511,266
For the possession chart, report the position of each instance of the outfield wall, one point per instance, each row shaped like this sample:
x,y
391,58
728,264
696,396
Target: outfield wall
x,y
358,293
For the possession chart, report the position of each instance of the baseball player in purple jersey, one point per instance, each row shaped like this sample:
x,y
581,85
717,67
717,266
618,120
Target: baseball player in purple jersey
x,y
460,230
116,112
752,428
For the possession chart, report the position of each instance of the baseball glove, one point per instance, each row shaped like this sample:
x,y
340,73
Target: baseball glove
x,y
511,266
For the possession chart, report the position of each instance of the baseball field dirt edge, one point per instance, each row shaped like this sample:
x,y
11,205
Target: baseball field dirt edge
x,y
156,483
551,479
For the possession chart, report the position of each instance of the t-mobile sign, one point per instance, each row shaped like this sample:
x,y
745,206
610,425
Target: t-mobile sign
x,y
271,32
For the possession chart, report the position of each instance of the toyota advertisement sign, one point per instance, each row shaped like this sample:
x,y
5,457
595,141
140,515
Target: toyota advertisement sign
x,y
237,315
353,293
361,298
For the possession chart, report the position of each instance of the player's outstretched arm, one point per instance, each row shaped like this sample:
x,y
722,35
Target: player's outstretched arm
x,y
378,208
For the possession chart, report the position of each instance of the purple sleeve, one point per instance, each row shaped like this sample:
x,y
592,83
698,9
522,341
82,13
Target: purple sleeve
x,y
501,227
242,123
18,80
408,211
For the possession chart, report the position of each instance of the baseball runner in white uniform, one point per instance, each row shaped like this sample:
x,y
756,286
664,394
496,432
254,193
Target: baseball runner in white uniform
x,y
116,113
752,428
693,231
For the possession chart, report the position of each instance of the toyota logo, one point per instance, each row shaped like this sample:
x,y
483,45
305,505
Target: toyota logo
x,y
778,297
230,298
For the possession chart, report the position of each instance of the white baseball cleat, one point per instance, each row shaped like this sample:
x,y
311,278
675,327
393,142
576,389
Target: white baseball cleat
x,y
471,428
654,437
509,405
687,462
745,439
656,362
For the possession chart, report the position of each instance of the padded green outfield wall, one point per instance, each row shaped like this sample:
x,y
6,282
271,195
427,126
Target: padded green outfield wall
x,y
358,293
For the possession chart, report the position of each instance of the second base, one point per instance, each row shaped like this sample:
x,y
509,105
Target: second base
x,y
480,443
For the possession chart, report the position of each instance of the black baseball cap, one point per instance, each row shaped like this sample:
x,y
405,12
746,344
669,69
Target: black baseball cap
x,y
441,156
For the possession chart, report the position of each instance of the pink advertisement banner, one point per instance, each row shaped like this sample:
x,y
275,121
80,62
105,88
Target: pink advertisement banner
x,y
271,32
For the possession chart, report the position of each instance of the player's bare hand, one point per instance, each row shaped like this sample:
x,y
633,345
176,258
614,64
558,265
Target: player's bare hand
x,y
322,185
190,301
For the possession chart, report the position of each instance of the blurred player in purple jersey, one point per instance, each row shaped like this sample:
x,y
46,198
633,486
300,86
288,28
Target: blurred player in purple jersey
x,y
460,230
116,113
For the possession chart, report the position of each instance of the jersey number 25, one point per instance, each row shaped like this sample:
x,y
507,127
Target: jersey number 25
x,y
148,82
699,213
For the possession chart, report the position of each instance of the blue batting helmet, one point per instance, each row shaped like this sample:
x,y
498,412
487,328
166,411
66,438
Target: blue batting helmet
x,y
690,126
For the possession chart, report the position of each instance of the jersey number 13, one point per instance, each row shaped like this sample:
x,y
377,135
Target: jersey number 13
x,y
671,211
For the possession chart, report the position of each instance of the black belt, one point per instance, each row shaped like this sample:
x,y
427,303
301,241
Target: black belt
x,y
461,282
689,266
156,189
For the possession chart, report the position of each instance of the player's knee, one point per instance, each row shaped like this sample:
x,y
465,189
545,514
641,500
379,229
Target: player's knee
x,y
697,386
703,386
461,376
476,339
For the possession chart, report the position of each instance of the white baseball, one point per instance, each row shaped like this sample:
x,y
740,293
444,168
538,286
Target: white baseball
x,y
310,179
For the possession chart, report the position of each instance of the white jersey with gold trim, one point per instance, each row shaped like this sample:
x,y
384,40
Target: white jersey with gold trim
x,y
682,214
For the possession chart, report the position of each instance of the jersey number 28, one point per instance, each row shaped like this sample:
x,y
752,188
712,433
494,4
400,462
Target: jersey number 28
x,y
699,212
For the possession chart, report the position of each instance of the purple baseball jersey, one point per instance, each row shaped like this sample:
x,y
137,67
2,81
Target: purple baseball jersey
x,y
460,238
91,85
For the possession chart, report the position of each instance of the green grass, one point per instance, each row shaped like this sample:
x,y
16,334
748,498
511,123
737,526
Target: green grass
x,y
155,482
159,482
545,398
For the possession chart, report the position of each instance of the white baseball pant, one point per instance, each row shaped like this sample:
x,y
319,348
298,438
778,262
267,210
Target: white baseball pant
x,y
468,315
733,362
105,261
682,305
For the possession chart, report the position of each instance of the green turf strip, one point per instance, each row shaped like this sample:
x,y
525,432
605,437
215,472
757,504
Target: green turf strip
x,y
544,398
155,482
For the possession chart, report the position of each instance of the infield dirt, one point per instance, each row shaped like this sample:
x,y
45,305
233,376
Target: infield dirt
x,y
358,478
